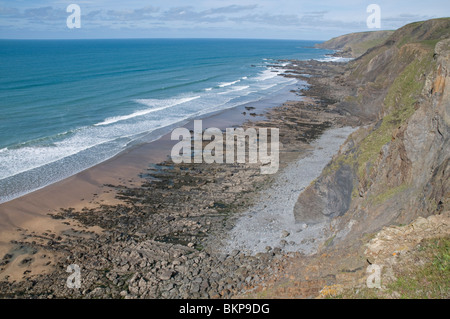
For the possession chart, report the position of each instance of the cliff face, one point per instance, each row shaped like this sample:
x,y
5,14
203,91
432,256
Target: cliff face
x,y
395,167
355,44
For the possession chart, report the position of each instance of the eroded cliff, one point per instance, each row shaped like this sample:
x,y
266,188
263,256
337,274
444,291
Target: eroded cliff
x,y
355,44
395,167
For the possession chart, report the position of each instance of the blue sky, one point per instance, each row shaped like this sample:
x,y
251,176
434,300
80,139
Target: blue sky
x,y
279,19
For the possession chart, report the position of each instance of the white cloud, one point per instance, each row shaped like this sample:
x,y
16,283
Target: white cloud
x,y
246,18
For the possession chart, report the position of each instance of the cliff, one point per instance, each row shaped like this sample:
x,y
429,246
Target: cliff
x,y
395,167
355,44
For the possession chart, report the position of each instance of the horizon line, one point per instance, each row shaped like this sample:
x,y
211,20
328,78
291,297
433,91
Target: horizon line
x,y
162,38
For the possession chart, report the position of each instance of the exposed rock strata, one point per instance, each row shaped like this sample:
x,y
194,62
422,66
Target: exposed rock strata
x,y
395,168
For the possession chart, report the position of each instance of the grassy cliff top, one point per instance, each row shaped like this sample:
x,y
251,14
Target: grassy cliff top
x,y
356,44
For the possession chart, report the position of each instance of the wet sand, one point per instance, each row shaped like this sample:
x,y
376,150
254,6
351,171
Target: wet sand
x,y
87,189
154,237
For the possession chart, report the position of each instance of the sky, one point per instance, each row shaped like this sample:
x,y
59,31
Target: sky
x,y
266,19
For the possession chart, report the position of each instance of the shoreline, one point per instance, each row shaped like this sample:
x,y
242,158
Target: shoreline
x,y
174,215
219,117
87,188
270,221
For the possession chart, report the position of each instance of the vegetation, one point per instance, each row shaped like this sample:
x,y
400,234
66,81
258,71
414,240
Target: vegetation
x,y
399,106
429,279
388,194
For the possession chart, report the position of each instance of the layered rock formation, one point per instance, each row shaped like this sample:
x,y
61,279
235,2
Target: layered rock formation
x,y
395,167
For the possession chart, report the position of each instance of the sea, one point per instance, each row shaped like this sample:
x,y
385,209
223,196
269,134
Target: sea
x,y
67,105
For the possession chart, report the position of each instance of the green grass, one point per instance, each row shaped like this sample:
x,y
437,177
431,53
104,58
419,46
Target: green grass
x,y
430,43
329,241
399,106
431,280
387,194
362,47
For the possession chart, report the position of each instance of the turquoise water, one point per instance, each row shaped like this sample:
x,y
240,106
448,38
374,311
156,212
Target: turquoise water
x,y
67,105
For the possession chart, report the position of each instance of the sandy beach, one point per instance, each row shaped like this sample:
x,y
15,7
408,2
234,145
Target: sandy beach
x,y
224,157
30,212
192,215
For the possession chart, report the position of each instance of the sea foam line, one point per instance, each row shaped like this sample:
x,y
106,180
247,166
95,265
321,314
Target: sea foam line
x,y
334,59
237,88
224,84
147,102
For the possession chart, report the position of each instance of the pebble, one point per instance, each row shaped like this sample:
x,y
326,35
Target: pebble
x,y
284,234
146,238
166,275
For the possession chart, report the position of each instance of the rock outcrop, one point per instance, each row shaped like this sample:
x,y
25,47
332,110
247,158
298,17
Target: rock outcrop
x,y
395,167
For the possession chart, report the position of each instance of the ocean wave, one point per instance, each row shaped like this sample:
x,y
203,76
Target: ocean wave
x,y
23,159
334,59
225,84
266,87
100,142
29,167
155,104
266,75
235,89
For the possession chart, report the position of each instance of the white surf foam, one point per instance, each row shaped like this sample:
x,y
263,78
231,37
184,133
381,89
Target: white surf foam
x,y
155,104
235,89
224,84
266,75
334,59
90,145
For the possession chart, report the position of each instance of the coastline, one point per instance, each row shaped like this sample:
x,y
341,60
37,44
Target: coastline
x,y
93,206
87,189
270,221
93,217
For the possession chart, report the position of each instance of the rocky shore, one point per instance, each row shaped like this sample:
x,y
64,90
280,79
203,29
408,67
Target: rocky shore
x,y
388,186
195,230
162,239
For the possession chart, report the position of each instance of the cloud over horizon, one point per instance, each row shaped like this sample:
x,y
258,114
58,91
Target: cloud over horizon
x,y
321,19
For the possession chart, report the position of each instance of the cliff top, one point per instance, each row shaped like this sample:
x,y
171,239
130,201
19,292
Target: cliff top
x,y
356,44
